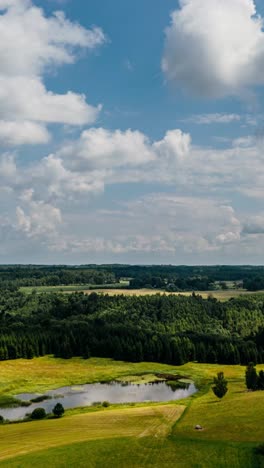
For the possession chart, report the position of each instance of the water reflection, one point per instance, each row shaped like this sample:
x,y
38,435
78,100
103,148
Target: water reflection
x,y
114,392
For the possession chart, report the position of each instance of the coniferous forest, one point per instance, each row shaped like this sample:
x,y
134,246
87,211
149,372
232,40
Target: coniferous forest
x,y
169,329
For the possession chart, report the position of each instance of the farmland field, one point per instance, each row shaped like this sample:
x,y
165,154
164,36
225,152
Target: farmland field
x,y
134,436
112,290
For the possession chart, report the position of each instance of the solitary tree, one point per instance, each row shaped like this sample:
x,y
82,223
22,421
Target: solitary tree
x,y
38,413
220,385
251,377
58,410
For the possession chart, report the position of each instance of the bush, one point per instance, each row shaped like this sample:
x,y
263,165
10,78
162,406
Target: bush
x,y
2,419
38,413
105,404
260,449
40,398
58,410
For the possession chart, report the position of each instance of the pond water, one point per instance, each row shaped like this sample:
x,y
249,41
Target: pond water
x,y
85,395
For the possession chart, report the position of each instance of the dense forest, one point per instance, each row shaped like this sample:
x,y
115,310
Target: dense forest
x,y
168,277
12,277
169,329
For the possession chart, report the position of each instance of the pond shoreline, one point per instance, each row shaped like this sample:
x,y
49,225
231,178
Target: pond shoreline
x,y
114,392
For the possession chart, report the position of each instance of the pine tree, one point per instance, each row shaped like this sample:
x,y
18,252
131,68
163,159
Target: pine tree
x,y
251,377
220,385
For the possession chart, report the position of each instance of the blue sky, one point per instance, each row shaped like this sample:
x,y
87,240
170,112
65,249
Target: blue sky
x,y
131,132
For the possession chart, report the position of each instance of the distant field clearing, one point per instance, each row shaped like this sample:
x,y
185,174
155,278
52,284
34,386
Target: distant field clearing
x,y
220,295
113,291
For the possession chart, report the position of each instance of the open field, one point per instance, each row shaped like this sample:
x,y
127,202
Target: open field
x,y
140,452
156,421
219,294
72,287
114,290
46,373
150,435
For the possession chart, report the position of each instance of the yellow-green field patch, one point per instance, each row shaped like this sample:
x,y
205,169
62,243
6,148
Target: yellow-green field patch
x,y
156,421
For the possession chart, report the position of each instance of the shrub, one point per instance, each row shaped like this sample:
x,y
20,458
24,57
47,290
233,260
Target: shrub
x,y
2,419
260,449
58,410
40,398
105,404
38,413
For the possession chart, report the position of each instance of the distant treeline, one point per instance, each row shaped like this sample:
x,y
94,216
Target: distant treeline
x,y
12,277
169,329
168,277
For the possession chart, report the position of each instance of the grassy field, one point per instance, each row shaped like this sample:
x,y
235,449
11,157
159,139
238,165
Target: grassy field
x,y
46,373
73,288
149,435
221,295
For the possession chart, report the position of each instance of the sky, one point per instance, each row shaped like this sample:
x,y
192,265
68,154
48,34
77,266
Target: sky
x,y
132,132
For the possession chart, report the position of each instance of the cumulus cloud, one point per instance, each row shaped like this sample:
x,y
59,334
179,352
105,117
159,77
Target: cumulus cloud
x,y
196,218
13,133
40,219
102,157
32,45
158,223
215,48
101,148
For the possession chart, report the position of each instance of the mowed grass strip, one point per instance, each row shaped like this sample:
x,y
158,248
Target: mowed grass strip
x,y
144,452
18,439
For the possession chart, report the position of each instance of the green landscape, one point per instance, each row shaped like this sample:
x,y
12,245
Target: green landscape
x,y
134,435
131,234
122,334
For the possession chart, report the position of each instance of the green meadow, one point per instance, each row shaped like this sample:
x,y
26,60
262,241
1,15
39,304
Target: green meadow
x,y
121,288
134,436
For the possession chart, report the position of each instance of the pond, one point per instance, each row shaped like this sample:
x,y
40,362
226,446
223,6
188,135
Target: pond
x,y
113,392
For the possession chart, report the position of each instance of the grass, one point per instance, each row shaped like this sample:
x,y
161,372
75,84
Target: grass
x,y
7,401
72,287
120,289
156,421
46,373
140,452
157,435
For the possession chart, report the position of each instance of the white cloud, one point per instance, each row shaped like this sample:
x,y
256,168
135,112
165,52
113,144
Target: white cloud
x,y
101,148
157,223
26,98
40,220
31,42
15,133
198,217
102,157
207,119
7,167
31,46
215,48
